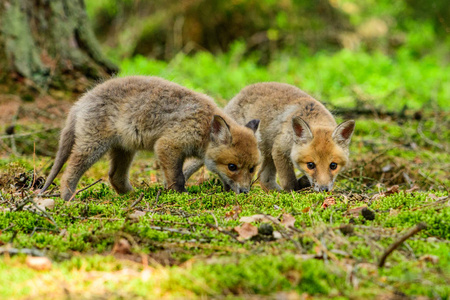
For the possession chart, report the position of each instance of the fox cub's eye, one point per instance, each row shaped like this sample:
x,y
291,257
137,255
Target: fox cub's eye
x,y
252,169
333,166
232,167
311,165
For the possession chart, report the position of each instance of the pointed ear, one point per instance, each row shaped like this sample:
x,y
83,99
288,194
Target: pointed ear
x,y
302,132
253,125
343,133
220,132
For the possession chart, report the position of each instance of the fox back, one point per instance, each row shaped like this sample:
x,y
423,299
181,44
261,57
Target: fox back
x,y
295,130
124,115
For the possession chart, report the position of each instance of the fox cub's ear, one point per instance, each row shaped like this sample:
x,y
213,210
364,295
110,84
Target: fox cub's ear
x,y
220,132
343,133
253,125
302,132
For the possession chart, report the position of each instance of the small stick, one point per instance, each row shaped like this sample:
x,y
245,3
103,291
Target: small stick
x,y
88,187
224,231
157,197
136,202
397,243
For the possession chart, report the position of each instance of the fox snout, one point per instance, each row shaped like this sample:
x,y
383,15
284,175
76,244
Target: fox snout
x,y
242,190
323,188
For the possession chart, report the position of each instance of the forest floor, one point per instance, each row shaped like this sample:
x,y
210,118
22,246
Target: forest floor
x,y
207,243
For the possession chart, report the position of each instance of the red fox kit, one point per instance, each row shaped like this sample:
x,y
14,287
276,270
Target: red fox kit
x,y
295,130
124,115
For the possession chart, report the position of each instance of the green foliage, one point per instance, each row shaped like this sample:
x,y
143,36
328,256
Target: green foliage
x,y
343,79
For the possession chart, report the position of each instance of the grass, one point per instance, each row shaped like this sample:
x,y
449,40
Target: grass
x,y
185,245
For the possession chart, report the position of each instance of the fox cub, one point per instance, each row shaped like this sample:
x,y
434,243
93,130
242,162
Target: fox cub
x,y
124,115
295,130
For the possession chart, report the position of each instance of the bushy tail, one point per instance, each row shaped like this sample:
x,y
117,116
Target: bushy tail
x,y
66,143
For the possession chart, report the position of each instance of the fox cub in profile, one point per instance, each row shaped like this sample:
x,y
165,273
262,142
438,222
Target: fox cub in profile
x,y
123,115
295,130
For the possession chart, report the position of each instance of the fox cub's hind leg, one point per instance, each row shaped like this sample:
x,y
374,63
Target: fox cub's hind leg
x,y
120,166
81,159
171,159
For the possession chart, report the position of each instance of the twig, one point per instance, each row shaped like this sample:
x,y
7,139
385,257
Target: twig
x,y
438,201
88,187
136,202
160,228
215,219
46,214
426,139
157,197
224,231
24,134
397,243
33,252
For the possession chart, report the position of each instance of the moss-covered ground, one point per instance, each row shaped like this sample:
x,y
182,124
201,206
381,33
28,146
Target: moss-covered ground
x,y
154,243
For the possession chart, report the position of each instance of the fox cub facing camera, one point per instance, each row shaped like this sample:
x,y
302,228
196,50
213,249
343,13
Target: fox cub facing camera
x,y
123,115
296,130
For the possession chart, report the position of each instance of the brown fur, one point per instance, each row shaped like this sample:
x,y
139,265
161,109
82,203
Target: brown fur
x,y
295,129
124,115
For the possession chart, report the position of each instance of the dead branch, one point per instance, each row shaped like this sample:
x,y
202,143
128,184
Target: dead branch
x,y
224,232
136,202
397,243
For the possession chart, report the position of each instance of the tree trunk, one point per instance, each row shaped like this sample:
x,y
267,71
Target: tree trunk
x,y
49,44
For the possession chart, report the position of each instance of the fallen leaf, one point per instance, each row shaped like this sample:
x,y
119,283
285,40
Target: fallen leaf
x,y
234,213
414,188
122,246
38,263
329,201
392,190
45,203
136,214
246,231
153,178
259,218
288,220
430,258
355,212
277,235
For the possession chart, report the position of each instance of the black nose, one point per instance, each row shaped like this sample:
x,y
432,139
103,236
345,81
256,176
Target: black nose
x,y
243,190
323,188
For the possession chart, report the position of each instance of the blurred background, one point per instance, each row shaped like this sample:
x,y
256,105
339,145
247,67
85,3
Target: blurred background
x,y
384,53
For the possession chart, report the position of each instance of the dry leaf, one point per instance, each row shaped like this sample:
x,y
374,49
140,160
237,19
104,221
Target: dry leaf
x,y
277,235
355,212
329,201
412,189
45,203
430,258
234,213
259,218
306,209
246,231
122,246
136,214
288,220
38,263
392,190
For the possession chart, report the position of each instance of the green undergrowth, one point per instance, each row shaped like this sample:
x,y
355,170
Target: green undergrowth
x,y
343,79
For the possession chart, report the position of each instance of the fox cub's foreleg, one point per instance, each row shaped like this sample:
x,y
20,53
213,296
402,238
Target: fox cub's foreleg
x,y
285,170
267,175
171,159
